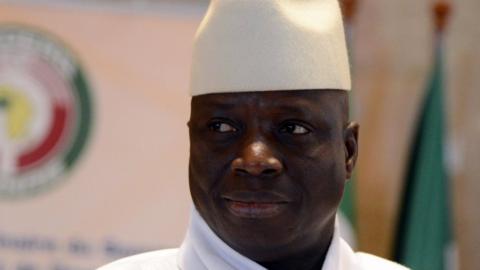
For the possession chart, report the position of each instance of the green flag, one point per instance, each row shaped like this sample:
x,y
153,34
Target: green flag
x,y
424,231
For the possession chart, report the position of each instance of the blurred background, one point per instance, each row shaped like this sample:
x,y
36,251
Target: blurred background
x,y
93,137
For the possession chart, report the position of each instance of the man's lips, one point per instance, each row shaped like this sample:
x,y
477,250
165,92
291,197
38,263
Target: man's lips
x,y
256,205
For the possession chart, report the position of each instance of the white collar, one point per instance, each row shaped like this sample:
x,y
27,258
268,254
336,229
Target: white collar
x,y
202,249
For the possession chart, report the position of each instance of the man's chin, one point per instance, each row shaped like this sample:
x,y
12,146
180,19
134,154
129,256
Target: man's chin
x,y
257,240
261,250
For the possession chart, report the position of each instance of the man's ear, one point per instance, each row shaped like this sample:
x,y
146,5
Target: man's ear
x,y
351,147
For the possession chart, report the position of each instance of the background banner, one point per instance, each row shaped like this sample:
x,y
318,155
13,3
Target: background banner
x,y
125,189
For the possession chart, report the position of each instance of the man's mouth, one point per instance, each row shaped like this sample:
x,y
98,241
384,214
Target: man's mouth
x,y
255,205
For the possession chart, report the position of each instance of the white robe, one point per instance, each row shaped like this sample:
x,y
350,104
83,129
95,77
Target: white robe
x,y
202,249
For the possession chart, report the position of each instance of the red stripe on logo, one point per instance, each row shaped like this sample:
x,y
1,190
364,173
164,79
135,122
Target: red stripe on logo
x,y
50,141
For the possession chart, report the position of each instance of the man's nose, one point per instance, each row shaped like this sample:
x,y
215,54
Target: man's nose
x,y
257,159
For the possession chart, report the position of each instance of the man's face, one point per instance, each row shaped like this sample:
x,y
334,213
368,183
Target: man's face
x,y
267,169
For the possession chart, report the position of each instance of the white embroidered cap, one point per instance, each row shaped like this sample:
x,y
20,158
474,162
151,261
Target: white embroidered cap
x,y
263,45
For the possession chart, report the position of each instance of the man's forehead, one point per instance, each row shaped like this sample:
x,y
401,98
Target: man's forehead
x,y
323,102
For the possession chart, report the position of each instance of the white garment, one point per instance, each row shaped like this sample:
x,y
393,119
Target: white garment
x,y
202,249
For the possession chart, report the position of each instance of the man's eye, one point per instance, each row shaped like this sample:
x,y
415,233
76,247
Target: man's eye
x,y
295,129
221,127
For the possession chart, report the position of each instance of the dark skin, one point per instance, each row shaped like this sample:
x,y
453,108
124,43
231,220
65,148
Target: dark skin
x,y
268,169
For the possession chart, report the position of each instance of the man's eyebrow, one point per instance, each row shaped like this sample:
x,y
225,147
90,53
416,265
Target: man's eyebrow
x,y
297,110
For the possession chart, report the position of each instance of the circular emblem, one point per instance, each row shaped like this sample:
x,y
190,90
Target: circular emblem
x,y
45,111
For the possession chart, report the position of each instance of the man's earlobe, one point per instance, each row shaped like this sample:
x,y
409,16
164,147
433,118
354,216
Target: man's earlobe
x,y
351,147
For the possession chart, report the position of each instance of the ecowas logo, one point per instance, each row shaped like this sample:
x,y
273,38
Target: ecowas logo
x,y
45,111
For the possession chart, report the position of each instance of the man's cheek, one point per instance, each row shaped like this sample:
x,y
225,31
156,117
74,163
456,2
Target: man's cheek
x,y
207,174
